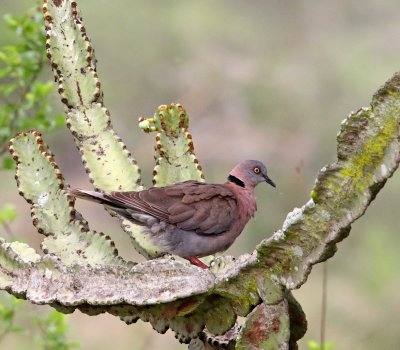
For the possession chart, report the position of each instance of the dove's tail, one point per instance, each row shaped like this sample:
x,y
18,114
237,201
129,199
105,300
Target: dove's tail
x,y
97,197
120,209
92,196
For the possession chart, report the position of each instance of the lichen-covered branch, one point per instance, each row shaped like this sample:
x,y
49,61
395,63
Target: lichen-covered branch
x,y
266,327
368,154
47,279
80,269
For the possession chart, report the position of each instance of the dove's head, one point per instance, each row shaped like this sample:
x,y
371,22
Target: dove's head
x,y
249,174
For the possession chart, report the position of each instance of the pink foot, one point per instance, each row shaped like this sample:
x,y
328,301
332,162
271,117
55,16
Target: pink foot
x,y
197,262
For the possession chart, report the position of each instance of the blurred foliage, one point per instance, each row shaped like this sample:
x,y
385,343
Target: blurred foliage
x,y
7,214
24,102
51,328
8,308
53,332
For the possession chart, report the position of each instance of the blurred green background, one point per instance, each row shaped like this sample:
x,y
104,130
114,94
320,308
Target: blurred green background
x,y
268,80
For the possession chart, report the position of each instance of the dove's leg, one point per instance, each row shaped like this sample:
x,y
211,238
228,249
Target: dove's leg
x,y
197,262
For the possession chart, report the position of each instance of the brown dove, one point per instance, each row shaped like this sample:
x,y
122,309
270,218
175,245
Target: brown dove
x,y
191,219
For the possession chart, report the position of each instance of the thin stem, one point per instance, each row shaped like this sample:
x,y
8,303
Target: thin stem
x,y
324,303
4,333
9,231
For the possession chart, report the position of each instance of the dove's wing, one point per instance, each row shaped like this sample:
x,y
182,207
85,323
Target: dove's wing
x,y
191,206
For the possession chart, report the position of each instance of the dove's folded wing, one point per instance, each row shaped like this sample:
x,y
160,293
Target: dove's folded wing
x,y
191,206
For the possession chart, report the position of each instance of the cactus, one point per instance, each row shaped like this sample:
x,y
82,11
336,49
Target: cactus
x,y
175,158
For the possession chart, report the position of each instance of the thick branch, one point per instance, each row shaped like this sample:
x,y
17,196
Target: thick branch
x,y
46,280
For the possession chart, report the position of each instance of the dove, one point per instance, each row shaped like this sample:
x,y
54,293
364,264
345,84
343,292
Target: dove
x,y
190,219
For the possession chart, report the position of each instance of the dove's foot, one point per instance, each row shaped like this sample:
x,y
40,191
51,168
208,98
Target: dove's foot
x,y
197,262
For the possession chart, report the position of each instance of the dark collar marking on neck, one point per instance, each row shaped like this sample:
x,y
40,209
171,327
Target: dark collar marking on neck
x,y
236,181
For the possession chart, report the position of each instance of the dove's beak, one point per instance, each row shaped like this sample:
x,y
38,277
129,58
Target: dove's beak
x,y
269,181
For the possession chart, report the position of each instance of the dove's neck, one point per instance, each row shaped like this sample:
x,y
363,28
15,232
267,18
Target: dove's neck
x,y
247,203
246,200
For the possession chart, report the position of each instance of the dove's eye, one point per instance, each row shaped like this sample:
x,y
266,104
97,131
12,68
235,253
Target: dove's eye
x,y
257,170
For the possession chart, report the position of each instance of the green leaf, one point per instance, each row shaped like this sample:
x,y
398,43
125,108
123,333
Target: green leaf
x,y
43,89
54,332
59,120
7,214
313,345
7,314
11,21
8,163
6,90
4,71
17,329
24,101
3,56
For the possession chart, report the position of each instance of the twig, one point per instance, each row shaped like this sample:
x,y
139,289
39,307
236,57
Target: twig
x,y
4,333
26,90
324,303
9,232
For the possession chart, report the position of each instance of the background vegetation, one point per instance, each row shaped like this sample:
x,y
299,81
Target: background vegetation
x,y
270,81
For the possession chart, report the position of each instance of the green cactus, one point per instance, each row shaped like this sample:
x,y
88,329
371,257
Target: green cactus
x,y
174,150
42,185
109,164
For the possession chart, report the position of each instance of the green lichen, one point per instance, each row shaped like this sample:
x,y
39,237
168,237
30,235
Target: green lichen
x,y
314,195
25,252
358,170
